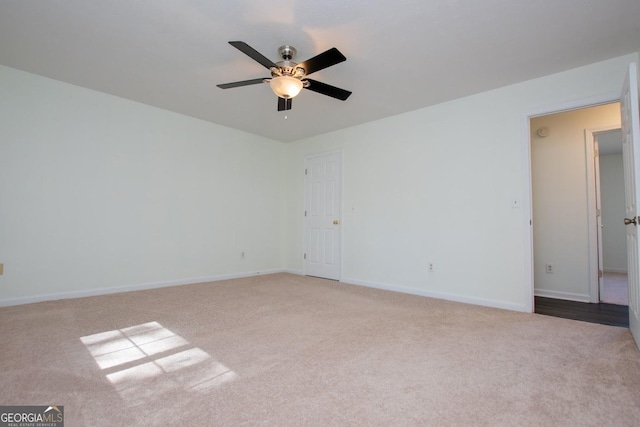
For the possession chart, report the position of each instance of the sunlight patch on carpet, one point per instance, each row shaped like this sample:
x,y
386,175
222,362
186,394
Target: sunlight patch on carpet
x,y
147,360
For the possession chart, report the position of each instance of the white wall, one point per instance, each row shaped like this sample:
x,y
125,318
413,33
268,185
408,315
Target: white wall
x,y
98,193
437,185
614,240
560,199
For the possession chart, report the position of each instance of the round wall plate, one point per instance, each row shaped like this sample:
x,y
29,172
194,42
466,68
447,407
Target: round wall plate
x,y
543,132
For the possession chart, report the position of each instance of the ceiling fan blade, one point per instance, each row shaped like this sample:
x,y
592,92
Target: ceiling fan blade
x,y
241,83
253,54
322,61
284,104
325,89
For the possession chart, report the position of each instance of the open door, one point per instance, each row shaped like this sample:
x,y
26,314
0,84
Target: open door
x,y
631,157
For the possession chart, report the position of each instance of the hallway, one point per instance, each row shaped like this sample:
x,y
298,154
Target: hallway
x,y
615,289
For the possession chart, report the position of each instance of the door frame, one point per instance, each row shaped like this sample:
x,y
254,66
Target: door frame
x,y
593,200
527,217
305,199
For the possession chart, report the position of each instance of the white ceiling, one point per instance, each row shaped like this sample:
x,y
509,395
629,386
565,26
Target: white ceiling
x,y
401,55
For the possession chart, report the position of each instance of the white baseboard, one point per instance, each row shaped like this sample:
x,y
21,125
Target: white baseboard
x,y
561,295
6,302
438,295
615,270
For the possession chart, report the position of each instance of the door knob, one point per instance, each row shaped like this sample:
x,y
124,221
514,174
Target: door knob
x,y
628,221
336,222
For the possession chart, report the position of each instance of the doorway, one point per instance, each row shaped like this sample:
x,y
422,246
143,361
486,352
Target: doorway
x,y
613,287
565,244
629,115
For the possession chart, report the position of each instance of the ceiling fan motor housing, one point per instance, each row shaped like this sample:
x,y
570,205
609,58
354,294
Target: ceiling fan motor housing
x,y
287,67
287,52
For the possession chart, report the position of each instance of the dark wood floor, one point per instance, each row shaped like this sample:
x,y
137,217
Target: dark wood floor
x,y
607,314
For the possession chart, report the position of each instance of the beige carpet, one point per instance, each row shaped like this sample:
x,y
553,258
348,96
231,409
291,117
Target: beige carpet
x,y
289,350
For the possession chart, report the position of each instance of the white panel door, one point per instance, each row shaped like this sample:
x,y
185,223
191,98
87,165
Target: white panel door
x,y
323,184
631,157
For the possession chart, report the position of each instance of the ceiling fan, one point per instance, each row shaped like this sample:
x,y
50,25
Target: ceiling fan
x,y
289,78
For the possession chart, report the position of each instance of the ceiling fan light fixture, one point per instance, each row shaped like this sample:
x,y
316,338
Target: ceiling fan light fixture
x,y
286,86
288,78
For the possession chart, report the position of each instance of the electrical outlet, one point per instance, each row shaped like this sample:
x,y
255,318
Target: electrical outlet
x,y
548,268
431,268
242,254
